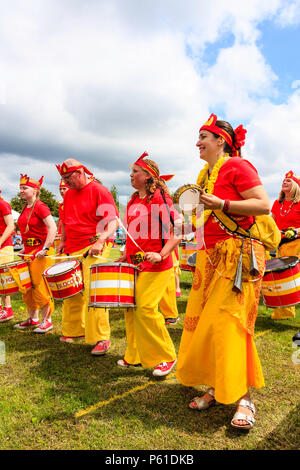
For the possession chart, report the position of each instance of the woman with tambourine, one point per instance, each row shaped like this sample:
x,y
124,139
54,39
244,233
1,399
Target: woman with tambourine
x,y
286,213
38,231
148,219
217,347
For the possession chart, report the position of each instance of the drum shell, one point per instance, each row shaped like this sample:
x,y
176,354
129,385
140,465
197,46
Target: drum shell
x,y
281,286
8,285
112,285
66,283
187,250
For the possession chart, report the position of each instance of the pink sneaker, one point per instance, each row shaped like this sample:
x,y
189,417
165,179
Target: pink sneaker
x,y
70,339
101,347
164,368
27,324
123,363
6,314
44,327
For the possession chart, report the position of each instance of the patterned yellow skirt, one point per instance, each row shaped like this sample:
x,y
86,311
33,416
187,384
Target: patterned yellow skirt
x,y
217,347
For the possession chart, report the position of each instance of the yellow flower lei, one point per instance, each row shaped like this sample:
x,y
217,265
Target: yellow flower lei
x,y
208,184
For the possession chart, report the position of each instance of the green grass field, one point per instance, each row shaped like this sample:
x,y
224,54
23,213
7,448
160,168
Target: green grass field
x,y
58,396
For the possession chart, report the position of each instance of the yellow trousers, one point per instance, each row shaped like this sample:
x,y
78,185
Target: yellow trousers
x,y
77,318
217,348
148,341
168,303
288,249
39,295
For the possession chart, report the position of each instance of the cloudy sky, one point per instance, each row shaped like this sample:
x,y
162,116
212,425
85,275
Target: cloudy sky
x,y
105,80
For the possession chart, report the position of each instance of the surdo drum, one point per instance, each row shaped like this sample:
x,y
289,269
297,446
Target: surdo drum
x,y
14,277
281,282
112,285
64,279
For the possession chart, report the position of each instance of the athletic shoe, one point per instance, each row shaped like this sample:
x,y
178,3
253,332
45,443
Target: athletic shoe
x,y
164,368
6,314
27,324
44,327
171,321
178,294
123,363
101,347
70,339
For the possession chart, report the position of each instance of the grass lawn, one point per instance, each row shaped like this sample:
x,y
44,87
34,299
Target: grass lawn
x,y
59,396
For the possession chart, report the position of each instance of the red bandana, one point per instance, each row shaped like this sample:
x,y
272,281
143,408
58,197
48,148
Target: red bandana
x,y
240,134
63,185
27,181
63,169
290,175
140,162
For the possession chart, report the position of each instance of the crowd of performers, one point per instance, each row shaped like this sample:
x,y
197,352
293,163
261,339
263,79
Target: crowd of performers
x,y
217,346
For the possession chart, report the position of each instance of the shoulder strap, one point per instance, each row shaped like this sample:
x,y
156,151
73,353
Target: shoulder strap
x,y
230,224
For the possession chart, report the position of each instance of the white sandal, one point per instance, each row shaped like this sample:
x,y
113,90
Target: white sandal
x,y
242,416
202,404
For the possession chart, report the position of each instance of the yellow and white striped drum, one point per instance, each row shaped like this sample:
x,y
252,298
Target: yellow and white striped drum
x,y
14,277
112,285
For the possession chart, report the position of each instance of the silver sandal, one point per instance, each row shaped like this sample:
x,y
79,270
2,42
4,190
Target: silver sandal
x,y
202,404
242,416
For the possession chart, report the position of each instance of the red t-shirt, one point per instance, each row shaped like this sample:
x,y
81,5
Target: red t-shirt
x,y
235,176
86,213
5,209
37,227
142,221
60,216
286,214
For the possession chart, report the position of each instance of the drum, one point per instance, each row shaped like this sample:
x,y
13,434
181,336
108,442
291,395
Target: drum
x,y
14,277
64,279
112,285
281,282
188,249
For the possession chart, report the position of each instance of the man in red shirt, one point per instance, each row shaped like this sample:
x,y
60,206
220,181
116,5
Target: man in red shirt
x,y
6,252
88,222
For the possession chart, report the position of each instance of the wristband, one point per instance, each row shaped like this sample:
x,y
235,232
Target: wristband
x,y
226,205
222,204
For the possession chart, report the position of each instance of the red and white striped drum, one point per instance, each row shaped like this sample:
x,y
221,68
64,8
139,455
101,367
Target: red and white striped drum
x,y
112,285
14,277
188,249
65,279
281,282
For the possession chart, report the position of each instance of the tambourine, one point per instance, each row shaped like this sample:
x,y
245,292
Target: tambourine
x,y
187,198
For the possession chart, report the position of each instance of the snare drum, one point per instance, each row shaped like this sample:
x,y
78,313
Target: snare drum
x,y
113,285
187,250
14,277
281,282
64,279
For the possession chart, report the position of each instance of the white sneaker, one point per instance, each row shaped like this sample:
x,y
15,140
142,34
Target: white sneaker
x,y
44,327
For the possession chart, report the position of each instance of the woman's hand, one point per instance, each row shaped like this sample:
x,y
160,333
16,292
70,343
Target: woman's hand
x,y
210,201
122,259
153,257
41,254
96,248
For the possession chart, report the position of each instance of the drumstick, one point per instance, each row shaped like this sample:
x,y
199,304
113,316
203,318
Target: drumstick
x,y
129,235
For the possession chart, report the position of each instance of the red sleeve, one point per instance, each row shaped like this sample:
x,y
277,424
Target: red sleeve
x,y
42,211
106,203
244,174
5,208
61,212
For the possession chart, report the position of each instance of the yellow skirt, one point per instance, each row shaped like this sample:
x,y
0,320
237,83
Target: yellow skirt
x,y
288,249
217,347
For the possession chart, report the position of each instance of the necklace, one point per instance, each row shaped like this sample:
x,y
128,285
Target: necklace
x,y
285,212
207,182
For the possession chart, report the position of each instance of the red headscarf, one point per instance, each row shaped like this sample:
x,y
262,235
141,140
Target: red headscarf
x,y
140,162
290,175
63,169
27,181
240,134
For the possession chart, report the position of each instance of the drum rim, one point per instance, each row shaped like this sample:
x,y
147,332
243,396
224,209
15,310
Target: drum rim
x,y
111,304
14,263
283,268
77,263
114,264
68,296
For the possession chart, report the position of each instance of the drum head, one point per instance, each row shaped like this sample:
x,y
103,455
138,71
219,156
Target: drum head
x,y
187,198
280,264
62,267
126,265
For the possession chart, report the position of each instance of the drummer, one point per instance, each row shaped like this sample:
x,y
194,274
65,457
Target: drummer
x,y
88,222
63,188
38,231
286,213
6,252
148,341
